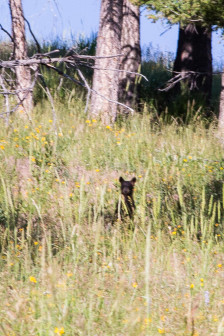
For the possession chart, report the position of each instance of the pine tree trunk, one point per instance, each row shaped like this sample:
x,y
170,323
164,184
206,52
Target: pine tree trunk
x,y
108,43
194,54
130,47
23,74
221,106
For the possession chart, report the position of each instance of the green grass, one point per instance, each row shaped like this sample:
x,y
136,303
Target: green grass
x,y
66,269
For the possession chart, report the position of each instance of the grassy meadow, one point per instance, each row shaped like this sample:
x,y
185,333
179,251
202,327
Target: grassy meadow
x,y
68,267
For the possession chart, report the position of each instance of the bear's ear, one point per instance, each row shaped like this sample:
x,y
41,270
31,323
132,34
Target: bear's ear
x,y
121,179
133,181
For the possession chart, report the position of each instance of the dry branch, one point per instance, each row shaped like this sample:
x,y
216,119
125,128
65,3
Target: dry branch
x,y
183,76
41,59
72,61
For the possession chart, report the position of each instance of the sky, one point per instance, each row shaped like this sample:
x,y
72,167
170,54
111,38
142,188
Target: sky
x,y
66,18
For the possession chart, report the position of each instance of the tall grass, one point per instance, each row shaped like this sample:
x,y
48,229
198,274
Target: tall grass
x,y
67,267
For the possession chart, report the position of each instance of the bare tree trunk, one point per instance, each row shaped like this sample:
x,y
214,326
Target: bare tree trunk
x,y
23,74
194,54
221,106
108,43
130,47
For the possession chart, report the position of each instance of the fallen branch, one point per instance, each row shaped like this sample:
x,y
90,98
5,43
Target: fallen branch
x,y
180,76
72,61
47,60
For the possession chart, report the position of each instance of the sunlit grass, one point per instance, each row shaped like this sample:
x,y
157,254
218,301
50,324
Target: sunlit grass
x,y
67,267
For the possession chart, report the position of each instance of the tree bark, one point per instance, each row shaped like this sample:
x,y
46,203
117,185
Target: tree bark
x,y
23,74
194,54
130,47
221,106
108,43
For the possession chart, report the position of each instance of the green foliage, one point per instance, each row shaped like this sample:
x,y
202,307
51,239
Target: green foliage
x,y
205,12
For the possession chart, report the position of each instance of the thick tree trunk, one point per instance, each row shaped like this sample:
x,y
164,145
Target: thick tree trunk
x,y
194,54
23,75
130,47
221,106
108,43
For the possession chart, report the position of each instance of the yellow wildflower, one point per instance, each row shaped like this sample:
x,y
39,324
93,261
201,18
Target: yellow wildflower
x,y
59,331
147,321
32,279
161,331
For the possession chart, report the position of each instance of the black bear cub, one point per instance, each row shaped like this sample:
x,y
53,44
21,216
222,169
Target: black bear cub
x,y
127,188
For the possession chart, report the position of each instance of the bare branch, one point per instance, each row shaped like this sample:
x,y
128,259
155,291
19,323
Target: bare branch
x,y
88,88
73,61
45,61
109,69
96,92
34,37
64,74
5,31
183,75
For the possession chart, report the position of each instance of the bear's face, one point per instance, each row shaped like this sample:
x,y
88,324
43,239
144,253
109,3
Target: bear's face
x,y
127,186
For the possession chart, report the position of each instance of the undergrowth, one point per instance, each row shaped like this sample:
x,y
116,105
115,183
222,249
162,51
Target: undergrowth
x,y
69,267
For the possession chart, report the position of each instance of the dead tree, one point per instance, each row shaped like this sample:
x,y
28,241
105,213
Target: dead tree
x,y
131,59
23,74
108,43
